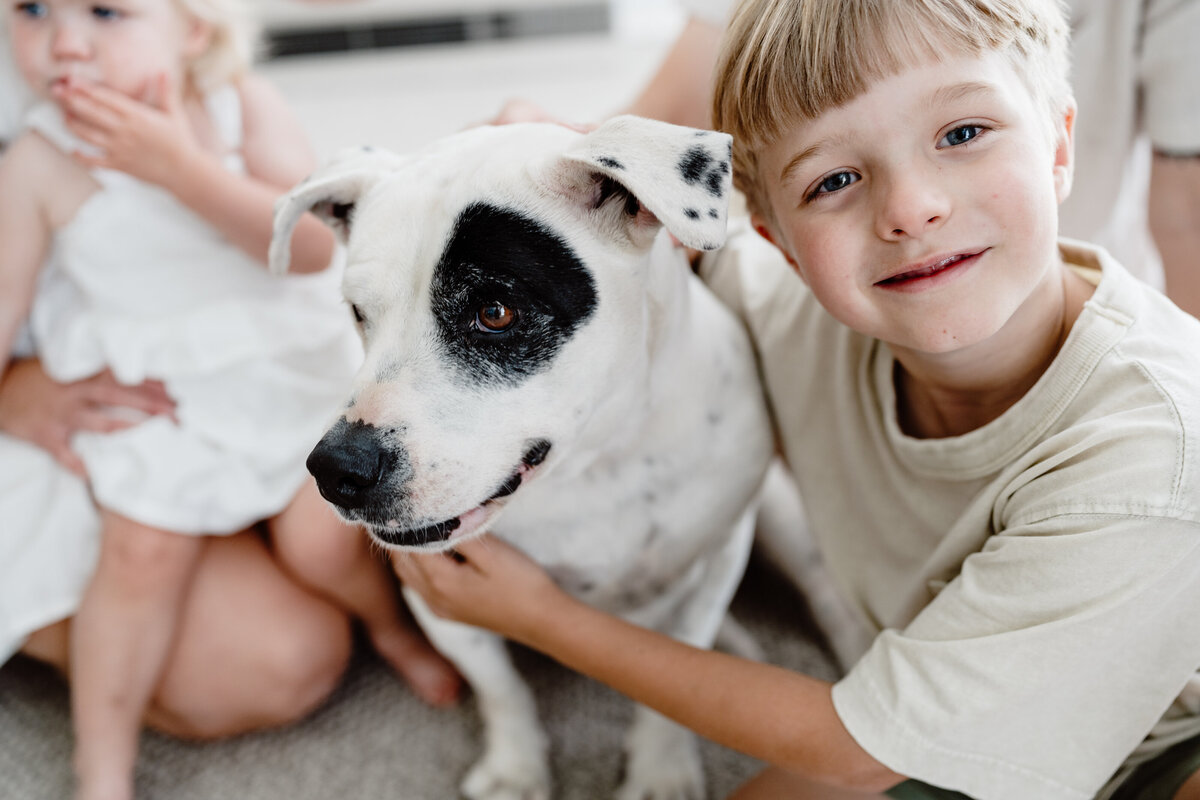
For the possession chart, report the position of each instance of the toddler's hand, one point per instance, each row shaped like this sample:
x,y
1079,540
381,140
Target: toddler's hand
x,y
148,138
46,413
490,584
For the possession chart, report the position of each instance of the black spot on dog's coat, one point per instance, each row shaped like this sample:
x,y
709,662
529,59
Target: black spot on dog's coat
x,y
499,255
610,162
694,164
691,213
697,166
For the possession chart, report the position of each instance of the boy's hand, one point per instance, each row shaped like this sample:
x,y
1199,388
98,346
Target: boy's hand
x,y
149,138
490,584
46,413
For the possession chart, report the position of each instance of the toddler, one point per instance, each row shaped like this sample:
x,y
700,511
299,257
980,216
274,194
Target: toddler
x,y
151,166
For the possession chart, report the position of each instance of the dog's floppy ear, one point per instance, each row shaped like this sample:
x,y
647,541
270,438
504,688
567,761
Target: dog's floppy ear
x,y
330,193
679,175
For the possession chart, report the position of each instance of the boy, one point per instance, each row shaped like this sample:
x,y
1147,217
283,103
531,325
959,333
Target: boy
x,y
992,430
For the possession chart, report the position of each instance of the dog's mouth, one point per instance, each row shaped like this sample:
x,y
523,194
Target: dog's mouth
x,y
468,523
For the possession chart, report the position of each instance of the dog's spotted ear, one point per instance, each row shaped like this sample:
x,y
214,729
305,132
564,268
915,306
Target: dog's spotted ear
x,y
680,176
331,193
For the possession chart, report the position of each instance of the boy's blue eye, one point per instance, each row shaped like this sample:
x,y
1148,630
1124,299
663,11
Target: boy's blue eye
x,y
835,182
34,10
105,13
960,135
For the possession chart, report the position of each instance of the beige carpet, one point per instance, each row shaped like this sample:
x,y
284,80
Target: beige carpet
x,y
374,739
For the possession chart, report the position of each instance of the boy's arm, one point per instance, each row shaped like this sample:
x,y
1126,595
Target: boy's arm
x,y
779,716
153,142
24,235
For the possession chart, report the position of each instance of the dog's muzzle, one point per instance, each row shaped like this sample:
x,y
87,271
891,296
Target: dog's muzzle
x,y
362,474
351,461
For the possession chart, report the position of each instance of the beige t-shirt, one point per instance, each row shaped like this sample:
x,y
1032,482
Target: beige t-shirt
x,y
1034,583
1136,74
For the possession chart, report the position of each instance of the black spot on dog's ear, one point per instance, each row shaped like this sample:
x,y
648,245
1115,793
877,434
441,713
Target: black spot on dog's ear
x,y
716,179
610,162
694,165
691,213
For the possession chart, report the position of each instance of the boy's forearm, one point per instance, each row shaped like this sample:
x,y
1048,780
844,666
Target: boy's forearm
x,y
781,717
242,208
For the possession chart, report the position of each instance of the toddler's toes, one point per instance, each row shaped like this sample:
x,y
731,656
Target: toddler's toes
x,y
424,669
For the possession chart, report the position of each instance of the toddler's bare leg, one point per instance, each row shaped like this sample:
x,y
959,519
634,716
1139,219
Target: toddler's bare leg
x,y
282,648
119,642
338,560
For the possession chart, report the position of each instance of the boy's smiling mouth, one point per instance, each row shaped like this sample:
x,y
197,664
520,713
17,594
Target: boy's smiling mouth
x,y
928,272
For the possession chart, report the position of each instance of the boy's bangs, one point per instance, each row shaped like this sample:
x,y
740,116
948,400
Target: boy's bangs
x,y
801,59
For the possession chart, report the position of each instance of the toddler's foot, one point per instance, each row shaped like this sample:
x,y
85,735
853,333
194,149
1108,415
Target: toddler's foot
x,y
424,669
106,789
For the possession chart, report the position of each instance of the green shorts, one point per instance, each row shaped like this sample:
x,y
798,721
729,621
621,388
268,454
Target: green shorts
x,y
1157,779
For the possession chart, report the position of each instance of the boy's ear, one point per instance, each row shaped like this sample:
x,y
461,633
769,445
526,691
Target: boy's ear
x,y
648,174
1064,152
763,228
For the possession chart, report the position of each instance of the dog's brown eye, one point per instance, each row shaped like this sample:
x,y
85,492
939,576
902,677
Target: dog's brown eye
x,y
495,318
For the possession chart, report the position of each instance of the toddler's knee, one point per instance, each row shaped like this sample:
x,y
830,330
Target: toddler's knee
x,y
141,556
306,663
295,669
324,555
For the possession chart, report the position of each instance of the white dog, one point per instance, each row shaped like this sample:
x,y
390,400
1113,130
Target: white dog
x,y
541,363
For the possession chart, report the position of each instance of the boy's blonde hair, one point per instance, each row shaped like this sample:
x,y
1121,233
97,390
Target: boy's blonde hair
x,y
232,49
788,61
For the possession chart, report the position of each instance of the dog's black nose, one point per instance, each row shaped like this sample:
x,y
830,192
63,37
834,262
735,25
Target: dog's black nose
x,y
348,463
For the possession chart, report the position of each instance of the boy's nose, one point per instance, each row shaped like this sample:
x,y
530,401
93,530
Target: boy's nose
x,y
910,206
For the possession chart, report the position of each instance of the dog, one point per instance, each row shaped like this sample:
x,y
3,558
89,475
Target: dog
x,y
541,363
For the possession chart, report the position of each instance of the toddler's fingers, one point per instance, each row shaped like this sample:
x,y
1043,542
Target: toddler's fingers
x,y
85,107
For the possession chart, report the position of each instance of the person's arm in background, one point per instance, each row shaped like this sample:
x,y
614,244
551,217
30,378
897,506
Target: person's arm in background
x,y
679,91
1175,225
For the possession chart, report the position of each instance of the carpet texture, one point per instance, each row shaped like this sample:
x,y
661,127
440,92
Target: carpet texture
x,y
374,740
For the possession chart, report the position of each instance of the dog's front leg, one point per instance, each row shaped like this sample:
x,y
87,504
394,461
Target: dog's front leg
x,y
662,762
514,764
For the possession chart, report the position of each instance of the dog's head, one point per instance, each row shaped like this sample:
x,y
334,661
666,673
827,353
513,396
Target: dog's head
x,y
498,280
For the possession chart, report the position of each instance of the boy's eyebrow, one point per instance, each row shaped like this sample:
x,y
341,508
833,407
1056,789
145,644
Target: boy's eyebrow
x,y
810,152
959,91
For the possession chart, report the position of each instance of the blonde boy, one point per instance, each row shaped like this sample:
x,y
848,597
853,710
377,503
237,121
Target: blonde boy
x,y
993,430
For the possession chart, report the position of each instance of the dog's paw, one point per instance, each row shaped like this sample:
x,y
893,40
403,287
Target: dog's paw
x,y
507,777
668,773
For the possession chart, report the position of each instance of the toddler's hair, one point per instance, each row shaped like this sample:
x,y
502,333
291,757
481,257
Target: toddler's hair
x,y
788,61
234,39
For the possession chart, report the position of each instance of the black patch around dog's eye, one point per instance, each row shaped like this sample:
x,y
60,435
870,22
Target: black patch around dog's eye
x,y
499,256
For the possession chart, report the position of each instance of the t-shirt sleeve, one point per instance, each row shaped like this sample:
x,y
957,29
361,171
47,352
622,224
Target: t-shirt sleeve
x,y
1169,64
1042,665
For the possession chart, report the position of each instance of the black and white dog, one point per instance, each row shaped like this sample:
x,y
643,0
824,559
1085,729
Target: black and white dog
x,y
541,363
